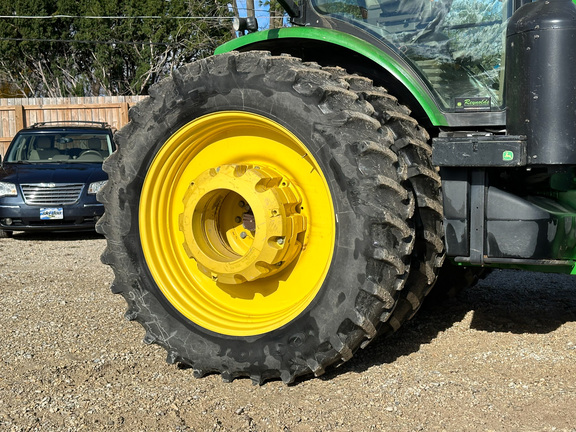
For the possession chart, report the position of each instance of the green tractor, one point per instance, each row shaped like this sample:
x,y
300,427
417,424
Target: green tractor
x,y
275,207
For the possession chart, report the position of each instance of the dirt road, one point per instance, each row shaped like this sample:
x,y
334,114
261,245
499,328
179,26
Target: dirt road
x,y
500,357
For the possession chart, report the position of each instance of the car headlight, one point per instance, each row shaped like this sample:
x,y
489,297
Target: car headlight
x,y
7,189
96,186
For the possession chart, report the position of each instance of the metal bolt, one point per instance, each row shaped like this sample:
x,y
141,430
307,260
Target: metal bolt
x,y
280,240
243,235
241,203
238,219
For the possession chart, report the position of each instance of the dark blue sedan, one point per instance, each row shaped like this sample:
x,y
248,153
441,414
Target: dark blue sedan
x,y
50,176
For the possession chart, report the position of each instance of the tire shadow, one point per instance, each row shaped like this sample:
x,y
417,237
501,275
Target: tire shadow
x,y
508,301
64,236
522,302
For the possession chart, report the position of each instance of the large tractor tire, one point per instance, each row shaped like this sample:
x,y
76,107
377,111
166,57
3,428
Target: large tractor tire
x,y
266,217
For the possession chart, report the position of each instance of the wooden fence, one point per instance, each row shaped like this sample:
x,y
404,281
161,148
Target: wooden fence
x,y
16,114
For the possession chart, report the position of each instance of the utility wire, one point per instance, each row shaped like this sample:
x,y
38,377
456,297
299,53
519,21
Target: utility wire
x,y
88,41
116,17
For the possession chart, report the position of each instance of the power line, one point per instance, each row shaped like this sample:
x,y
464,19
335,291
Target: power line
x,y
87,41
116,17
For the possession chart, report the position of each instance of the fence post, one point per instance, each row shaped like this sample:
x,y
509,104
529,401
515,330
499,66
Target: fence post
x,y
20,120
124,113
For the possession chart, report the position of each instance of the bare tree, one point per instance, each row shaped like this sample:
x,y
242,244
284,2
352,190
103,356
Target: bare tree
x,y
124,56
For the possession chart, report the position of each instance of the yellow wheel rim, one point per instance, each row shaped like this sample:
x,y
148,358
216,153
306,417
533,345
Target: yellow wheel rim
x,y
237,223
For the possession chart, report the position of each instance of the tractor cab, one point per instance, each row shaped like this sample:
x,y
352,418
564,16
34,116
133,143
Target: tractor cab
x,y
455,46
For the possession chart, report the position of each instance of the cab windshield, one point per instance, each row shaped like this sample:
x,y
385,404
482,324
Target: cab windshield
x,y
455,45
80,147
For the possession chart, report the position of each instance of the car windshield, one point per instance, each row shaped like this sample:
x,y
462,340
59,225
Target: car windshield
x,y
57,147
455,45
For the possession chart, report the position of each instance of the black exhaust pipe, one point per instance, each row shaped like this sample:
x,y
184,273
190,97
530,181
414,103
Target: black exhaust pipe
x,y
541,80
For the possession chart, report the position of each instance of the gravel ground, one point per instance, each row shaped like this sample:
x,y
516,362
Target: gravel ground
x,y
500,357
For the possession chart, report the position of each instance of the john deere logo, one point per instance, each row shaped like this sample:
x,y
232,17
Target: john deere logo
x,y
508,155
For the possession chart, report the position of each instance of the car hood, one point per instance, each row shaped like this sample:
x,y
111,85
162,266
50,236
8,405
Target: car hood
x,y
52,173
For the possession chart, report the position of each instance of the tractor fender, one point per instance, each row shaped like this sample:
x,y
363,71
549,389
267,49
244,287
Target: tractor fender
x,y
372,59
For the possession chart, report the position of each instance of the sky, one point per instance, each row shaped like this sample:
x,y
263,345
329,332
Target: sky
x,y
262,15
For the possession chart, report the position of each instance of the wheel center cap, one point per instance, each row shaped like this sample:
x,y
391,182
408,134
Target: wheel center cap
x,y
242,222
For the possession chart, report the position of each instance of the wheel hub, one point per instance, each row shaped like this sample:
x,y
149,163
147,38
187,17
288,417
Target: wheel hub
x,y
242,223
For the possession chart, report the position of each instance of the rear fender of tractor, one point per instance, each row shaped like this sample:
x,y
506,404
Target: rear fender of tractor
x,y
370,59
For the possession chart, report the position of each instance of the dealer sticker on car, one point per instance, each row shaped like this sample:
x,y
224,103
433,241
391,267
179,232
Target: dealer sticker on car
x,y
51,213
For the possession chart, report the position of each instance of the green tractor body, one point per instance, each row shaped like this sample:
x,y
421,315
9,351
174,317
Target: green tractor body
x,y
273,208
